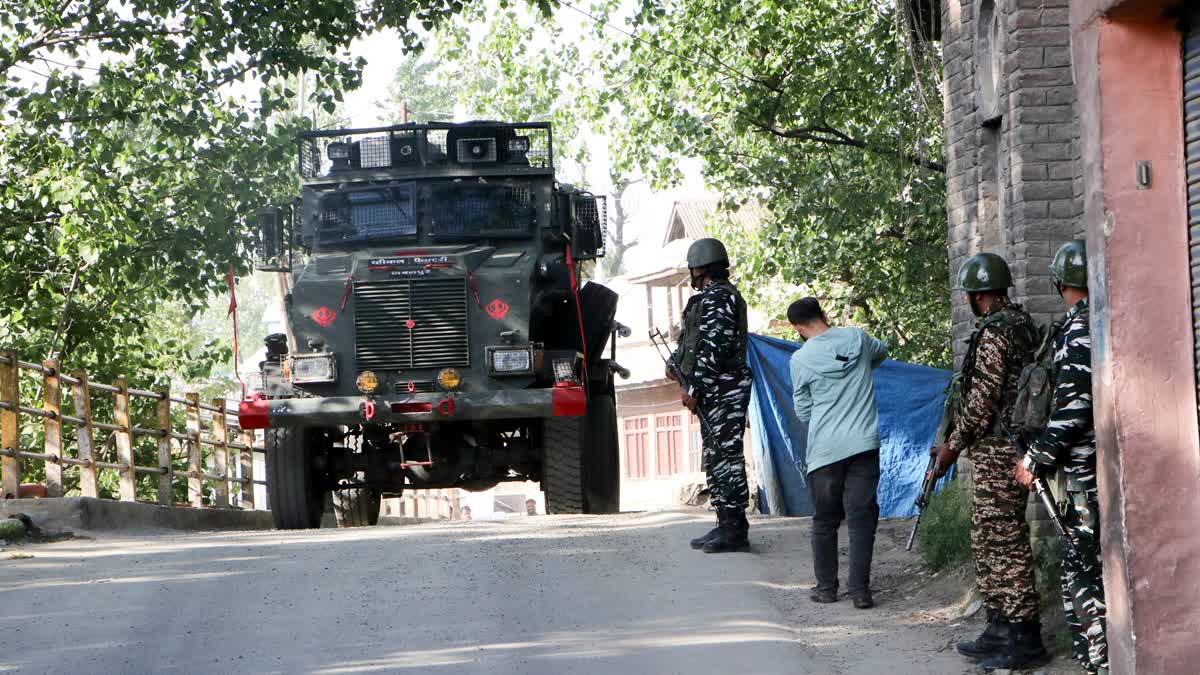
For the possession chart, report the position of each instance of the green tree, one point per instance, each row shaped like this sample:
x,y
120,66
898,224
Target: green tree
x,y
134,138
826,111
822,110
416,85
521,65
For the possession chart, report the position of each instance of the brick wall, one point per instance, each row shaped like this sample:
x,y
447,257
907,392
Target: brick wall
x,y
1014,181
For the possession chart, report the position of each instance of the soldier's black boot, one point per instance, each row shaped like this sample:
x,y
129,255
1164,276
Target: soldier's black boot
x,y
732,535
699,542
990,642
1023,649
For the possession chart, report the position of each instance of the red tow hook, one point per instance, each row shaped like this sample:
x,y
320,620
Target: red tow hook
x,y
446,407
368,410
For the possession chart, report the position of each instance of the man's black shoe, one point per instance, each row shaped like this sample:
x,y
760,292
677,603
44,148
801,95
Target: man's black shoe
x,y
1023,649
731,535
728,540
989,643
864,600
699,542
823,596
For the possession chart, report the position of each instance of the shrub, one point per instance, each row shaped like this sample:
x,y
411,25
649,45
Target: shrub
x,y
945,535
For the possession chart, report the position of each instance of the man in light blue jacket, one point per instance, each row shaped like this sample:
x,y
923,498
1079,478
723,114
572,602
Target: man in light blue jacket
x,y
834,394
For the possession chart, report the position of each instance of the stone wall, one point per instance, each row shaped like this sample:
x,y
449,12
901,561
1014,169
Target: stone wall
x,y
1013,174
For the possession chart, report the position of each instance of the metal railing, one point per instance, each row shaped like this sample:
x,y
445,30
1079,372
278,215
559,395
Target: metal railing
x,y
206,424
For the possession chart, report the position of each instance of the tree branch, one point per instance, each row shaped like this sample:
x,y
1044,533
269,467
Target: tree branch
x,y
831,136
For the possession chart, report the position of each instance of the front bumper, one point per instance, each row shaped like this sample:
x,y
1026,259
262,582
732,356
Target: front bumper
x,y
260,413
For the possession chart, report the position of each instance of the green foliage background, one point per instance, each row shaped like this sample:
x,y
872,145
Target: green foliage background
x,y
827,112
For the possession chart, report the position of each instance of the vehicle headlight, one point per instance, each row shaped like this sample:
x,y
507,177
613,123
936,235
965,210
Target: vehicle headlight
x,y
449,378
367,382
312,368
503,361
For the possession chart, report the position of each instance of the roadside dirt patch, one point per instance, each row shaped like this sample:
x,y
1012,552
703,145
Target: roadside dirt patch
x,y
918,616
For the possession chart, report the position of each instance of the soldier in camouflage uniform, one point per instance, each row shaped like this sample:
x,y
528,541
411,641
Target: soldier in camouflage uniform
x,y
1068,446
712,357
1002,344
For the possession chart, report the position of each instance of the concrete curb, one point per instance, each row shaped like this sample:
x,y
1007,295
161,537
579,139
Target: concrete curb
x,y
88,513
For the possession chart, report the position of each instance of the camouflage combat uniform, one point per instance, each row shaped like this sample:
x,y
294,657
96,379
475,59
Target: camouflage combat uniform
x,y
1000,347
1068,445
714,362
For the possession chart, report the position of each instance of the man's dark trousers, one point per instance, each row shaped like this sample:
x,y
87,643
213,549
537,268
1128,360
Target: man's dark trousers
x,y
845,490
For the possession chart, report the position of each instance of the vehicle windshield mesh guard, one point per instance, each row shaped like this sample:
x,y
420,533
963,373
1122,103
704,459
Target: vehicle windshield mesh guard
x,y
481,209
368,213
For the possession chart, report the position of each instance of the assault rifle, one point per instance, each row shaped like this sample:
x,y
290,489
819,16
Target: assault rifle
x,y
923,498
671,362
1042,489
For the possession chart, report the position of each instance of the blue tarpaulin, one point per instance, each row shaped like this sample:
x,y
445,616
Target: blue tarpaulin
x,y
910,400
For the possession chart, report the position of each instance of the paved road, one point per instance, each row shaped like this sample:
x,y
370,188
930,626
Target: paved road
x,y
548,595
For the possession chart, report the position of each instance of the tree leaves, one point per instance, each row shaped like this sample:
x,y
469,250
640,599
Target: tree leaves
x,y
134,140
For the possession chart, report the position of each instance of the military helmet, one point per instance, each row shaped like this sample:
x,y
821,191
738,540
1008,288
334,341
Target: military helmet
x,y
984,272
704,252
1070,264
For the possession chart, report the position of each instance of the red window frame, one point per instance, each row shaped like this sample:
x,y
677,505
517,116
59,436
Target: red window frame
x,y
635,434
668,443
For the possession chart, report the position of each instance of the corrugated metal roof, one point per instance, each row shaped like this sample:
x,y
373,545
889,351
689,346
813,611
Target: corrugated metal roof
x,y
693,218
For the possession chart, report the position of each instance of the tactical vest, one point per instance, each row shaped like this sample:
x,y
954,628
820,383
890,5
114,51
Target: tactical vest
x,y
691,332
1024,337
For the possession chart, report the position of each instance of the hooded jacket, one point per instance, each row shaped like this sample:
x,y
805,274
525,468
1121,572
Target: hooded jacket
x,y
834,394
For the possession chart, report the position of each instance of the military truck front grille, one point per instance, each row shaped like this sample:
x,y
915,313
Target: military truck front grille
x,y
417,323
414,387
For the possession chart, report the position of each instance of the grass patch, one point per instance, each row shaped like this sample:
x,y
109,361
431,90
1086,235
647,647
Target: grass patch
x,y
945,534
1047,564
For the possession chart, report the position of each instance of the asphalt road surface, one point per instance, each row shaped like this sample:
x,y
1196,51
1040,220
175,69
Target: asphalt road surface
x,y
548,595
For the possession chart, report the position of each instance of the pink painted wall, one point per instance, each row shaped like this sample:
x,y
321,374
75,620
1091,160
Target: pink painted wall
x,y
1129,80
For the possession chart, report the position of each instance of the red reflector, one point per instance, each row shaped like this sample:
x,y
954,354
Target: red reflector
x,y
252,413
412,407
568,401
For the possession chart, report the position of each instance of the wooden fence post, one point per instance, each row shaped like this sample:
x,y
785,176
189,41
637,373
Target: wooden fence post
x,y
221,453
247,459
10,425
128,478
83,435
162,414
52,389
195,473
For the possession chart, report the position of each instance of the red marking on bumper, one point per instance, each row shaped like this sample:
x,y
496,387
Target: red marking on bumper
x,y
324,316
369,410
568,401
412,407
446,407
252,413
497,309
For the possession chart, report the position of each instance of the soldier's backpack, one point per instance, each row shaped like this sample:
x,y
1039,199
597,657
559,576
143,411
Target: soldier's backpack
x,y
1035,388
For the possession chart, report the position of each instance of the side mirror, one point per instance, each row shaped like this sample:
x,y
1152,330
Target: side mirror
x,y
273,241
587,223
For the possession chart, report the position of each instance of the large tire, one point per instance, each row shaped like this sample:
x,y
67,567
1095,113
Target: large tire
x,y
356,507
602,457
562,464
294,486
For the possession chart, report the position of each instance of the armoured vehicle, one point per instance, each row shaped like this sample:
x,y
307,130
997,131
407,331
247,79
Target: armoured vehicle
x,y
440,334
